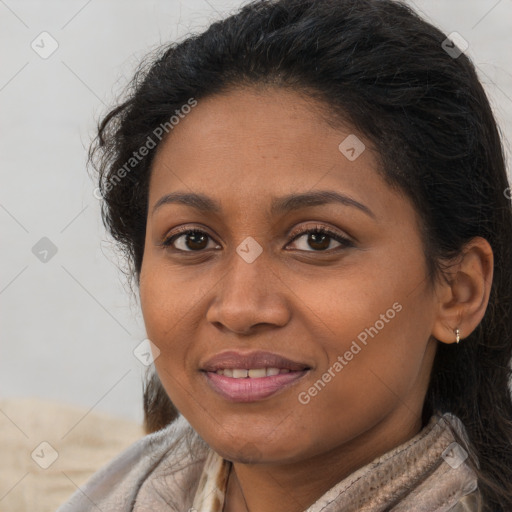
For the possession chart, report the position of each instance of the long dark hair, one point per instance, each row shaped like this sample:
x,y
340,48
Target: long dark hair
x,y
379,66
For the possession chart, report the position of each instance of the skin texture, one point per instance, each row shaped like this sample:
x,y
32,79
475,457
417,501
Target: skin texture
x,y
297,300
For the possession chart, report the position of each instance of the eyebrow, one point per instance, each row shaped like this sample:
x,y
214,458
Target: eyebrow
x,y
283,204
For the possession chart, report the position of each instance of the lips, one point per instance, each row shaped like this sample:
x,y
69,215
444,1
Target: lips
x,y
253,376
253,360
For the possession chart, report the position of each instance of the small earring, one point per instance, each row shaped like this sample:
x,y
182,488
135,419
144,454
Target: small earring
x,y
457,335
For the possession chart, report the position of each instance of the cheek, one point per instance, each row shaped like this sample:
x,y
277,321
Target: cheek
x,y
164,313
154,304
169,364
362,382
165,301
167,310
372,331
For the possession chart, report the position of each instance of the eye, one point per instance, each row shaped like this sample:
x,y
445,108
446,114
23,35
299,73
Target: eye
x,y
320,237
195,238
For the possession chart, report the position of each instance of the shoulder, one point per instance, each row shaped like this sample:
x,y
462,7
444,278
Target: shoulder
x,y
116,485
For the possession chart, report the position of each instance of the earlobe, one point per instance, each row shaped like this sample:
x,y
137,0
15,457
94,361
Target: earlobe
x,y
462,298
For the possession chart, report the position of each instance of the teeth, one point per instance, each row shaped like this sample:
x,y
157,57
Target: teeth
x,y
260,372
253,373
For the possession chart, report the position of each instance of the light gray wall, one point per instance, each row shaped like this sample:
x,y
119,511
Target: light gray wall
x,y
69,325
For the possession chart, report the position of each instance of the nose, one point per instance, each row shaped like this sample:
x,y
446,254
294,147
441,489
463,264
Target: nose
x,y
250,297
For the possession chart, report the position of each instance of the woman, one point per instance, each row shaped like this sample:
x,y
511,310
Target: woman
x,y
313,200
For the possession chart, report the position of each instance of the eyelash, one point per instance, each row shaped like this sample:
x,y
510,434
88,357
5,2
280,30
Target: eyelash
x,y
345,242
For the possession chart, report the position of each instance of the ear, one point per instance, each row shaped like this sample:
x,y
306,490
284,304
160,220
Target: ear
x,y
463,296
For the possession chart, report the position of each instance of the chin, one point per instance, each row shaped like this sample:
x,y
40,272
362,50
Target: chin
x,y
248,452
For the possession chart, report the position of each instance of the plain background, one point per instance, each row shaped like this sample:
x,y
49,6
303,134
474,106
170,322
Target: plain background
x,y
69,325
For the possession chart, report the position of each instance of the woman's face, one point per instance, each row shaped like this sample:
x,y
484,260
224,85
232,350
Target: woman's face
x,y
356,315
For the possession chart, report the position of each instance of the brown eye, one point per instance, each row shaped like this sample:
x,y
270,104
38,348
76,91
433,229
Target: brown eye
x,y
320,238
191,240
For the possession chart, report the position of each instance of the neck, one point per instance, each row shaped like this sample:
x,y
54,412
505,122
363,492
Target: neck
x,y
296,486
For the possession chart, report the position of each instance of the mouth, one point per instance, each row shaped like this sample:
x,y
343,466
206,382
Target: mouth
x,y
235,361
252,373
251,377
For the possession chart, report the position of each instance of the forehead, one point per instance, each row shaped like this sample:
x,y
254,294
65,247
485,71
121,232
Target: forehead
x,y
252,143
270,123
